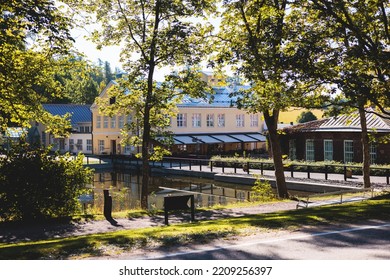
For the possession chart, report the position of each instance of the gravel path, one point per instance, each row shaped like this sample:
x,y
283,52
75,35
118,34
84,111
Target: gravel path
x,y
15,233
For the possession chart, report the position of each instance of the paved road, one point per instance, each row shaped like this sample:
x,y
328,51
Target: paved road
x,y
370,241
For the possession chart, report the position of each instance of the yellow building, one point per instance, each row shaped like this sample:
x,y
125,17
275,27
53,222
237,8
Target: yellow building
x,y
199,128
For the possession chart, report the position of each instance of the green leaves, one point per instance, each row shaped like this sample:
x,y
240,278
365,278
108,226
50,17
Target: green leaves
x,y
32,34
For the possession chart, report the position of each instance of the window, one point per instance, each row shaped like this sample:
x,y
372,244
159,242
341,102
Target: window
x,y
196,120
89,145
310,150
181,120
210,120
348,151
87,129
292,149
254,120
127,149
105,122
98,121
328,149
240,120
71,145
81,129
129,119
221,120
113,122
101,146
79,144
373,153
121,121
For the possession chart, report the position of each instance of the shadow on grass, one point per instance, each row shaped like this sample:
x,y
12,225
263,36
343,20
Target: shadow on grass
x,y
197,232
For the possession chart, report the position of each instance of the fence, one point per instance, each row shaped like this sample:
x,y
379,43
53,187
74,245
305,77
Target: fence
x,y
239,167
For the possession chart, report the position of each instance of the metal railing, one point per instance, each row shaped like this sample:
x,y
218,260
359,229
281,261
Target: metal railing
x,y
197,164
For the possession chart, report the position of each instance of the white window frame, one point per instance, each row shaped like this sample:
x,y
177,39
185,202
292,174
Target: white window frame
x,y
196,120
254,120
240,120
89,144
210,120
309,150
98,122
221,120
373,153
113,122
105,122
121,121
328,149
348,151
71,145
79,144
181,120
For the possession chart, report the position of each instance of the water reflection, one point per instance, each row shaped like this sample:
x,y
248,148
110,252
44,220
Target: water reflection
x,y
125,190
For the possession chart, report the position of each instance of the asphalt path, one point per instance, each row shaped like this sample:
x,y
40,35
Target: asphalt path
x,y
370,241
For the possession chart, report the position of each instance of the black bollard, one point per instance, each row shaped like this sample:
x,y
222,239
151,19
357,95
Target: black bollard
x,y
107,205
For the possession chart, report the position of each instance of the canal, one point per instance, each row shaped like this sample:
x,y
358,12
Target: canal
x,y
125,190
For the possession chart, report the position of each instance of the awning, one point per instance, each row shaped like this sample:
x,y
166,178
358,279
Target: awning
x,y
225,138
208,139
218,138
243,138
257,136
183,140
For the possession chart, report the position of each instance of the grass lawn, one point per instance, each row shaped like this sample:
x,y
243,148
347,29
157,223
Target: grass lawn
x,y
198,232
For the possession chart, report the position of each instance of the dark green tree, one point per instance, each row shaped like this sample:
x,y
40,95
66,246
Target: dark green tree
x,y
306,116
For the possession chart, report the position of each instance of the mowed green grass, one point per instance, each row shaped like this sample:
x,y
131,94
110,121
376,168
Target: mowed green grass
x,y
113,243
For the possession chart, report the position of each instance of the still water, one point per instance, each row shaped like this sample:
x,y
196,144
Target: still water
x,y
125,190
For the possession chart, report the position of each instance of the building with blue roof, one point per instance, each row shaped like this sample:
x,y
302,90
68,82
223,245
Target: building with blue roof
x,y
202,126
80,138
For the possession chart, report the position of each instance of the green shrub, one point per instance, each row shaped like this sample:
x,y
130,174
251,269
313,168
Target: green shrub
x,y
35,185
262,191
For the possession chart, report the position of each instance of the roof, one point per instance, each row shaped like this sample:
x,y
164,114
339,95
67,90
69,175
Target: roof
x,y
221,98
79,113
343,123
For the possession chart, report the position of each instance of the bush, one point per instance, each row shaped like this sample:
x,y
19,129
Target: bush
x,y
262,191
35,185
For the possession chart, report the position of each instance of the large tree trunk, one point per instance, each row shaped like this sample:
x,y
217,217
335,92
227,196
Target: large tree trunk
x,y
365,148
272,124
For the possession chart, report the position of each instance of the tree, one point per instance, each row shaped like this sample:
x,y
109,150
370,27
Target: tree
x,y
360,40
32,33
80,80
306,116
153,34
261,38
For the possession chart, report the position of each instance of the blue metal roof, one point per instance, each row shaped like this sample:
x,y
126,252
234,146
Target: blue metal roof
x,y
79,113
221,98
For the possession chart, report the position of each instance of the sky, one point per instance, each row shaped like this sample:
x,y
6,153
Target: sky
x,y
110,54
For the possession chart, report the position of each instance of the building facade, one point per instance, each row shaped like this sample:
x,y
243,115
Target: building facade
x,y
201,127
80,138
336,139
